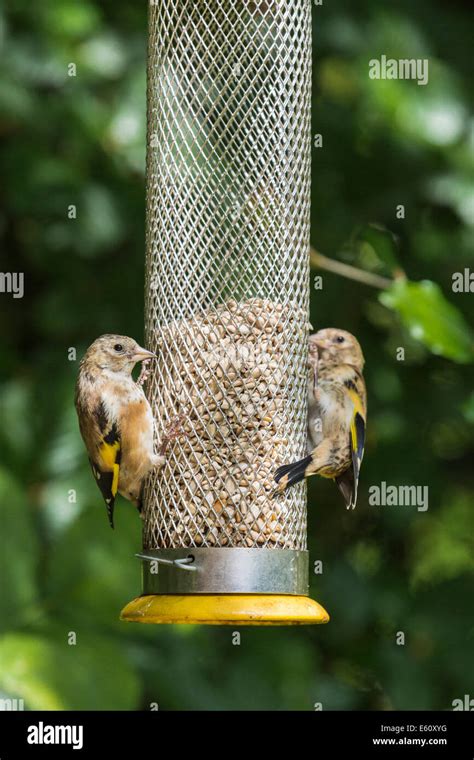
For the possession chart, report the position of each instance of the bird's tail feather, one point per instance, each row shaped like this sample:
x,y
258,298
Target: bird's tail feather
x,y
289,474
348,488
110,504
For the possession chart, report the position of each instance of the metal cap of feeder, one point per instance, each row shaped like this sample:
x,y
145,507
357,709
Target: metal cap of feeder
x,y
227,301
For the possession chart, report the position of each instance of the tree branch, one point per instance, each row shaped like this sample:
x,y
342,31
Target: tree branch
x,y
346,270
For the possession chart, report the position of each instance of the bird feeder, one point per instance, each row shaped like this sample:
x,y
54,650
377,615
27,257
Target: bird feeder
x,y
227,297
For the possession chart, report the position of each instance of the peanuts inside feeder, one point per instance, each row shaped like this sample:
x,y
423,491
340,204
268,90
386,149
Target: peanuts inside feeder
x,y
229,369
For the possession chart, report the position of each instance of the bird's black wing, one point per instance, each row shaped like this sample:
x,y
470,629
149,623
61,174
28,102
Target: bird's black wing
x,y
106,467
349,480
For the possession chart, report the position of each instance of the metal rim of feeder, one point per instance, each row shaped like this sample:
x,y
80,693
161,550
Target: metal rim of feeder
x,y
227,299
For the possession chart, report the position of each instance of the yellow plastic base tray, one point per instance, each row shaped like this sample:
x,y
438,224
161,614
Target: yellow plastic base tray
x,y
230,609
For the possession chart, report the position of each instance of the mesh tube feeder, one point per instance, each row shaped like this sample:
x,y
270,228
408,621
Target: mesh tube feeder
x,y
227,298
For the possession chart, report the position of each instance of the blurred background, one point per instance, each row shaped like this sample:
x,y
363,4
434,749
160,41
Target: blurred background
x,y
81,141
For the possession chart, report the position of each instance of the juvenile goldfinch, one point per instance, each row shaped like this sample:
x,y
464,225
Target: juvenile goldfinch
x,y
116,420
337,415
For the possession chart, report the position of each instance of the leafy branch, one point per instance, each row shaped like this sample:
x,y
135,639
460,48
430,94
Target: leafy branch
x,y
421,306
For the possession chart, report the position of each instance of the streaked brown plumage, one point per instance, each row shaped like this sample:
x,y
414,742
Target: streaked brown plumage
x,y
115,418
337,414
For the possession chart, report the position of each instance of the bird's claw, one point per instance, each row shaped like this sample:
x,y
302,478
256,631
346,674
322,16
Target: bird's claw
x,y
174,430
313,364
145,372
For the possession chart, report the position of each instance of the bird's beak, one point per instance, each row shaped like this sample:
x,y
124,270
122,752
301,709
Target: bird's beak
x,y
320,343
141,354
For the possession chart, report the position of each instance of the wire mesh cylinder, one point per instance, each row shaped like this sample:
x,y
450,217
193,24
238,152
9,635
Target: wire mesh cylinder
x,y
227,278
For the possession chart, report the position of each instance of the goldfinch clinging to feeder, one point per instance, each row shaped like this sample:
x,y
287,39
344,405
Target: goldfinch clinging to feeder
x,y
337,415
116,420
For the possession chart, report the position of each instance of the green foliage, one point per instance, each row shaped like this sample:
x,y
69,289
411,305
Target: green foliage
x,y
106,565
50,674
80,141
431,319
19,556
376,249
444,549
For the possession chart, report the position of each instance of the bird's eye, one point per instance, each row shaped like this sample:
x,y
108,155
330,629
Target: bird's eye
x,y
340,339
118,347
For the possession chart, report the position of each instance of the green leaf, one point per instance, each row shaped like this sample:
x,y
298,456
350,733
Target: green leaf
x,y
50,674
431,319
377,249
